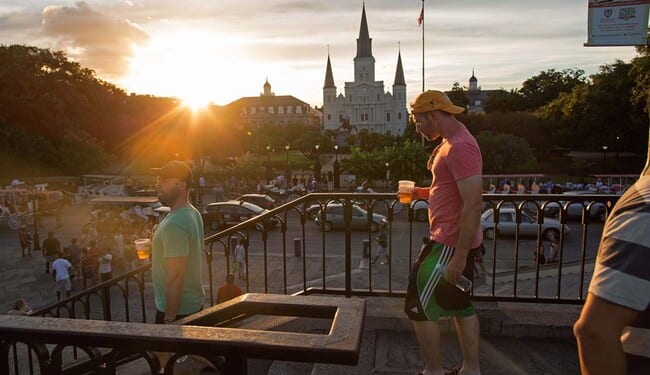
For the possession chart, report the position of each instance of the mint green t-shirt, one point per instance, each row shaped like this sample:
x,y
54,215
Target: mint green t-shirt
x,y
179,234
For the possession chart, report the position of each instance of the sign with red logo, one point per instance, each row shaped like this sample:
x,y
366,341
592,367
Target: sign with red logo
x,y
617,23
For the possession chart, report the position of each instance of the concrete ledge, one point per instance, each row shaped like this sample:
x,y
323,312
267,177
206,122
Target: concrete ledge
x,y
497,318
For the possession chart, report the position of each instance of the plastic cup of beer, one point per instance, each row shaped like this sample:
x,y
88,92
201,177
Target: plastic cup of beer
x,y
143,248
405,191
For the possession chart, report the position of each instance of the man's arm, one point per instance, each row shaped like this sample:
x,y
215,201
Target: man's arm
x,y
470,190
176,267
420,193
598,331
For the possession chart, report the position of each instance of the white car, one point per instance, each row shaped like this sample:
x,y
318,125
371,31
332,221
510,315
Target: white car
x,y
334,218
528,227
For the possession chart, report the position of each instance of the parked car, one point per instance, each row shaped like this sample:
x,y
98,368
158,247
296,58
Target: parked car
x,y
597,211
527,227
261,200
224,214
334,218
420,210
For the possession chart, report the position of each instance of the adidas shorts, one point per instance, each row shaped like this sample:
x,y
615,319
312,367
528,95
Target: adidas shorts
x,y
429,295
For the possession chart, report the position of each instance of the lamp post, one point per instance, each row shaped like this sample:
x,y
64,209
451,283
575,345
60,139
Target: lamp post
x,y
36,239
387,174
337,170
317,165
268,164
618,146
287,173
604,157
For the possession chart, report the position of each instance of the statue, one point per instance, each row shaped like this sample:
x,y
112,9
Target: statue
x,y
345,126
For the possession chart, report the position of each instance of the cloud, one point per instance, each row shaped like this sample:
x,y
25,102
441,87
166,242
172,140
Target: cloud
x,y
98,41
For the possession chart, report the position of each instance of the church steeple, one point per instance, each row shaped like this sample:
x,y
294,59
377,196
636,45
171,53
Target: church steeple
x,y
473,82
364,43
399,72
267,88
329,77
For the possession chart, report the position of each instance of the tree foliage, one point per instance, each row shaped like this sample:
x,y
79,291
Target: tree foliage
x,y
505,153
405,161
547,85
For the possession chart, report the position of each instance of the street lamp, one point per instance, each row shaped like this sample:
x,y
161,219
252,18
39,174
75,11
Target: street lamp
x,y
317,165
287,174
387,174
618,146
268,164
337,169
36,239
605,154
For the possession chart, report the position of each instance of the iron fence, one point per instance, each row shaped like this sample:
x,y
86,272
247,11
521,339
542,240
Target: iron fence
x,y
306,254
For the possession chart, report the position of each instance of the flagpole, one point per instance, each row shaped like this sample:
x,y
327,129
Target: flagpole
x,y
422,24
422,45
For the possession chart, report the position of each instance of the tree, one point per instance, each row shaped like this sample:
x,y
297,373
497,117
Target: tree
x,y
505,101
407,161
546,86
505,153
458,95
594,114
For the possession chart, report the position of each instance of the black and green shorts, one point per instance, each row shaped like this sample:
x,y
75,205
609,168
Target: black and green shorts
x,y
429,295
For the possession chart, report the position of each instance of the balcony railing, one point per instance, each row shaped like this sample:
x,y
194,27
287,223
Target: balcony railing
x,y
299,256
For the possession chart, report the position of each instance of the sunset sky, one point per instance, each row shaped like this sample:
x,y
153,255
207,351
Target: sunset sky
x,y
220,50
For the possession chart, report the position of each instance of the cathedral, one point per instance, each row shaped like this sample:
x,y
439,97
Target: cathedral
x,y
365,105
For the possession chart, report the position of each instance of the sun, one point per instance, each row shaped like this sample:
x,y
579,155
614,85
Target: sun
x,y
196,67
195,103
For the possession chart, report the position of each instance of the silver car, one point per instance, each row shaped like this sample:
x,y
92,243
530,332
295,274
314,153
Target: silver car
x,y
527,227
334,218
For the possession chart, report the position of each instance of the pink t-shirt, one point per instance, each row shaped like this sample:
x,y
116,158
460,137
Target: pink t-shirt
x,y
457,157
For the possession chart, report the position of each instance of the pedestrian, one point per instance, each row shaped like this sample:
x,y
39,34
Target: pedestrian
x,y
74,251
479,269
613,330
88,268
177,247
25,239
240,259
51,248
539,254
382,245
455,200
105,266
20,307
61,269
118,245
229,290
201,188
555,248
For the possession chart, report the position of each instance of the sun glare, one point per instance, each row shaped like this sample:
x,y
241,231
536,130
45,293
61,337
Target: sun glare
x,y
195,67
194,103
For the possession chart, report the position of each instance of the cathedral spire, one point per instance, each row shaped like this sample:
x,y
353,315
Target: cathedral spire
x,y
364,43
329,77
399,72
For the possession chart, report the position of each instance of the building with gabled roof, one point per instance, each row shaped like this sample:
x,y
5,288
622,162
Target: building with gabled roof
x,y
271,109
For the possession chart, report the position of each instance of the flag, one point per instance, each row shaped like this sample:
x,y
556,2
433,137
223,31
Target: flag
x,y
420,18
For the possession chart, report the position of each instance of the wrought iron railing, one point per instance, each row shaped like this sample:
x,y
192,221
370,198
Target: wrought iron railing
x,y
340,262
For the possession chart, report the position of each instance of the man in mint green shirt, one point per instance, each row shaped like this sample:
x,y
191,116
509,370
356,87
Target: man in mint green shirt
x,y
177,247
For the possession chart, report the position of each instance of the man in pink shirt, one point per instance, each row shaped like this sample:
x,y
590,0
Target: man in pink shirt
x,y
455,199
